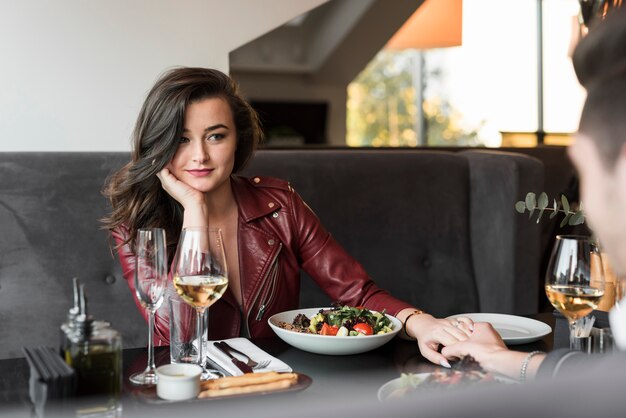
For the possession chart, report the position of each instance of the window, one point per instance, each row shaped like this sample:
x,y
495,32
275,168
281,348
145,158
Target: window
x,y
483,93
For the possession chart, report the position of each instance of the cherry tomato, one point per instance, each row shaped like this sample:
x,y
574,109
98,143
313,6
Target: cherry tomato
x,y
329,329
363,328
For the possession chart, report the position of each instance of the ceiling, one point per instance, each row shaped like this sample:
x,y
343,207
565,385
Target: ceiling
x,y
332,43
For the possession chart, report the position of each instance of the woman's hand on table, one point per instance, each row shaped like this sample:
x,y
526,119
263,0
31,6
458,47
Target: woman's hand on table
x,y
431,332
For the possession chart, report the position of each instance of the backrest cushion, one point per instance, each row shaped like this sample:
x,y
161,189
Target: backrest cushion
x,y
403,214
50,204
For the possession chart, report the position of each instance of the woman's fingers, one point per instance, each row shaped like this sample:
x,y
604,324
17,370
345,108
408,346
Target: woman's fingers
x,y
463,324
179,190
164,177
458,332
432,355
454,351
466,322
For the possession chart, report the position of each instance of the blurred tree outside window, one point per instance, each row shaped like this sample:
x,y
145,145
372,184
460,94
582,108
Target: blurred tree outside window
x,y
483,93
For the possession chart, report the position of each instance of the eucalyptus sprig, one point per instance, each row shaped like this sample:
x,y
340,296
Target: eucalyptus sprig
x,y
573,216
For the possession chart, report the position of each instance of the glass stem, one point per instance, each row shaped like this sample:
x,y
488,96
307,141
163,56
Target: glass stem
x,y
199,333
572,334
151,366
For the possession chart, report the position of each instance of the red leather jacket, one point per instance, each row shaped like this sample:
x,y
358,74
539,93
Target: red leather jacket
x,y
278,235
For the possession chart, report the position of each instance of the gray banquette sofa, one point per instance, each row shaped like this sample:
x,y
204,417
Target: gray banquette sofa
x,y
436,228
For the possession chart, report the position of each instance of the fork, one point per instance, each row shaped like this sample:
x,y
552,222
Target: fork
x,y
254,364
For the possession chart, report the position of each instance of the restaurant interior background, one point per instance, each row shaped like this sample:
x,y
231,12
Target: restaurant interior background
x,y
457,73
319,72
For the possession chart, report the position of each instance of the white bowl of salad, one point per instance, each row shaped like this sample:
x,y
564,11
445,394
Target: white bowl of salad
x,y
335,331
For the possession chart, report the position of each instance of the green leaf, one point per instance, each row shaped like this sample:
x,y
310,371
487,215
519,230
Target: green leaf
x,y
565,203
573,214
543,201
531,202
556,209
577,219
540,215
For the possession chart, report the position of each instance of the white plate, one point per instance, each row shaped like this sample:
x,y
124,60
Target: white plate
x,y
391,386
388,388
327,344
513,329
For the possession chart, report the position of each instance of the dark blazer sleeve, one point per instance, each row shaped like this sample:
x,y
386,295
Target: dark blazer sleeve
x,y
563,363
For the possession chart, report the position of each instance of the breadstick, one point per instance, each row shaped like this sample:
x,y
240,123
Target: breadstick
x,y
239,390
247,379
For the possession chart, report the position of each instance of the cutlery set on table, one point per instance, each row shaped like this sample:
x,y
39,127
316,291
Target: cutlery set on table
x,y
237,356
246,367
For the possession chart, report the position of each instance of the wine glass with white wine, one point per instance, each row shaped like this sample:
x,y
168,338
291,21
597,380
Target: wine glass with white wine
x,y
150,281
200,275
574,279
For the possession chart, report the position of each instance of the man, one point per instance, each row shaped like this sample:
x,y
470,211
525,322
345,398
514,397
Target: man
x,y
599,155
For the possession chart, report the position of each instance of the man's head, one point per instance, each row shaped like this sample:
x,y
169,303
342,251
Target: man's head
x,y
599,153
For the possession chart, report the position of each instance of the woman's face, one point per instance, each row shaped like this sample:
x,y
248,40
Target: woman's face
x,y
206,152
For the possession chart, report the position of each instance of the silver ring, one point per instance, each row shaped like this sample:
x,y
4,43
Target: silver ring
x,y
456,324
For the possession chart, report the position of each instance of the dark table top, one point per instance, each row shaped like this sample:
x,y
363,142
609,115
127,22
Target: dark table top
x,y
356,376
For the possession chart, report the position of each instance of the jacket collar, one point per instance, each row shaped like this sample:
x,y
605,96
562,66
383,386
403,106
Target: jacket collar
x,y
252,202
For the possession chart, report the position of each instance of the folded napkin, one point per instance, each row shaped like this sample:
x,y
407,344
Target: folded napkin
x,y
245,346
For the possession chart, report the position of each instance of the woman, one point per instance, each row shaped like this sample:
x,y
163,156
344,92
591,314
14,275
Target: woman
x,y
193,133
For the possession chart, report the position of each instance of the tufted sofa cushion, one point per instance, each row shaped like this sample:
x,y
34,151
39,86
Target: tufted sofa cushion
x,y
50,204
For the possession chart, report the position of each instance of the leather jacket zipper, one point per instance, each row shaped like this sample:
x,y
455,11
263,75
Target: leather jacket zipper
x,y
269,290
269,293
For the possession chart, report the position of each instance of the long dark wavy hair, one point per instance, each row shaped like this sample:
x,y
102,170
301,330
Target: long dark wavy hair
x,y
135,193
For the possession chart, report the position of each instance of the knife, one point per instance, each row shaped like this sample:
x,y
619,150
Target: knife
x,y
240,364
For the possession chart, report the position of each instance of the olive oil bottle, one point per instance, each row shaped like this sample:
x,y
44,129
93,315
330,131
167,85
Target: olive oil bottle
x,y
94,350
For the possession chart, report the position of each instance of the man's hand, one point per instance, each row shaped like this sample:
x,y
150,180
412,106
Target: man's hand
x,y
488,349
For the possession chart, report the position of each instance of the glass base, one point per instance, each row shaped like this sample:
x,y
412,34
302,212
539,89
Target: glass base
x,y
210,374
147,377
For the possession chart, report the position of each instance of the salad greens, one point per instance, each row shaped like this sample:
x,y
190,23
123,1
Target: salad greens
x,y
342,321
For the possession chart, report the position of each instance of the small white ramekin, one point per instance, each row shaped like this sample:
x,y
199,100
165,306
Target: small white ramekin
x,y
177,382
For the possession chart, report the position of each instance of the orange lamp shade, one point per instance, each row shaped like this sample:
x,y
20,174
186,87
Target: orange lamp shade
x,y
435,24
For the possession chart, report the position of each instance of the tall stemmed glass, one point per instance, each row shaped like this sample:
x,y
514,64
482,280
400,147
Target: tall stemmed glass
x,y
574,279
200,272
150,281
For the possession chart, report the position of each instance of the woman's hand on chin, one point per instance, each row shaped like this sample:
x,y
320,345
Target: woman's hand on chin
x,y
196,212
182,192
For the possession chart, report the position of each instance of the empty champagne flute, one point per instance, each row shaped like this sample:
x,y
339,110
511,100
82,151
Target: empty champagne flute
x,y
150,281
574,279
199,272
